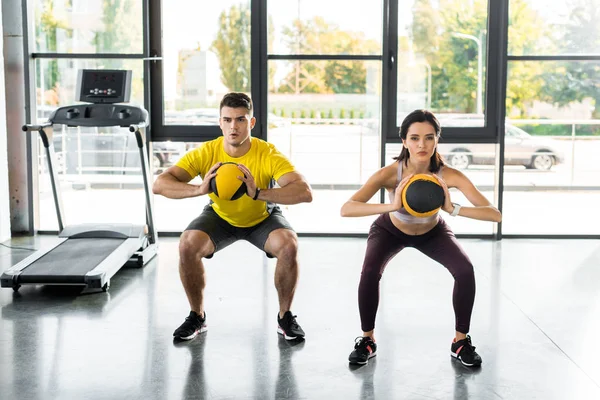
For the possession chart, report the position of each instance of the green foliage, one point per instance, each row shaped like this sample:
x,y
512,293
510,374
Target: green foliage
x,y
316,36
342,113
302,114
569,82
560,129
312,114
330,115
232,47
46,39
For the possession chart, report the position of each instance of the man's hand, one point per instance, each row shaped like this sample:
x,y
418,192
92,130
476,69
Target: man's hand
x,y
205,185
248,180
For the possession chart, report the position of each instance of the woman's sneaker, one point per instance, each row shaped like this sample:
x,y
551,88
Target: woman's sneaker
x,y
364,348
465,352
192,326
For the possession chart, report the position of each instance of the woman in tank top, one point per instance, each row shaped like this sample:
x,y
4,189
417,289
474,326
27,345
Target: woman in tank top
x,y
395,229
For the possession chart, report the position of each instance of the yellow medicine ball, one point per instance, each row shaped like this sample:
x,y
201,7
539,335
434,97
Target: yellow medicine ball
x,y
226,185
423,196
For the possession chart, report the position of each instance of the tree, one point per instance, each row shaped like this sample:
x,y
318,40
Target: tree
x,y
316,36
46,38
575,81
232,47
120,34
453,60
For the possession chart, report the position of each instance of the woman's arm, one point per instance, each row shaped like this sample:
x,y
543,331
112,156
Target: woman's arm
x,y
357,206
482,209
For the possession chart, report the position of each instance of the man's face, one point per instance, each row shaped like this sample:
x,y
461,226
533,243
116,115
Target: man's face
x,y
236,125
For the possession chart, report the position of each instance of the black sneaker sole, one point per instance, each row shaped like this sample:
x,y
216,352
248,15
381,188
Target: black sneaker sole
x,y
285,335
477,364
363,362
193,335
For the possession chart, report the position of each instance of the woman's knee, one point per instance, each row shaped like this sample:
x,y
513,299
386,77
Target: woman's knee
x,y
193,245
464,272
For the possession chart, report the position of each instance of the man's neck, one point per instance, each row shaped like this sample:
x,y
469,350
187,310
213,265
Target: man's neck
x,y
237,151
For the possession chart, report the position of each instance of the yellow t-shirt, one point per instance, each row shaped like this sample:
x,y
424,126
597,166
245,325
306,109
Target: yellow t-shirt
x,y
263,160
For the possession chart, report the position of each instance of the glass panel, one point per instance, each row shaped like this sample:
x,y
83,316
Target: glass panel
x,y
442,48
324,27
89,26
331,132
56,81
553,27
553,138
203,60
482,175
89,161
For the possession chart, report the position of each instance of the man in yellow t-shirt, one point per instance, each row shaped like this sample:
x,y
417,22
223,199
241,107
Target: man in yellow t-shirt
x,y
254,217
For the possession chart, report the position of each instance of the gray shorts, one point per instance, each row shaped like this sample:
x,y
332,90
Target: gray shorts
x,y
222,233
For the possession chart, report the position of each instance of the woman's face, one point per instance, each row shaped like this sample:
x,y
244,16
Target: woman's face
x,y
421,141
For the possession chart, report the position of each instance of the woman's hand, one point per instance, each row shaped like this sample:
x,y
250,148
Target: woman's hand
x,y
398,195
447,206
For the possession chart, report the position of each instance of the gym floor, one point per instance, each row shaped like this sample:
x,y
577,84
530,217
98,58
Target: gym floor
x,y
536,324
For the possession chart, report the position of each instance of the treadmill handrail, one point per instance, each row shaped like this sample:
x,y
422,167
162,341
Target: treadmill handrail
x,y
141,143
36,128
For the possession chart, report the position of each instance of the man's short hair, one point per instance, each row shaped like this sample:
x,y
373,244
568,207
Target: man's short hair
x,y
237,100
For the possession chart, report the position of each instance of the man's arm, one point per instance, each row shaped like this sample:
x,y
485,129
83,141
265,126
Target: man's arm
x,y
293,190
173,183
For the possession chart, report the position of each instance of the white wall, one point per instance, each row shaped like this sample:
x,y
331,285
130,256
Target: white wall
x,y
4,194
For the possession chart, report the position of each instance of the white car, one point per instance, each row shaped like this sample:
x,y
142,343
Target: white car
x,y
520,149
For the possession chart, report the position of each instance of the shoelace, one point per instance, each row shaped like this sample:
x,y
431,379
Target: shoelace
x,y
293,323
361,340
196,320
468,346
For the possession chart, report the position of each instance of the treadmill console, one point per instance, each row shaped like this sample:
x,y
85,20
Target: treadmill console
x,y
104,86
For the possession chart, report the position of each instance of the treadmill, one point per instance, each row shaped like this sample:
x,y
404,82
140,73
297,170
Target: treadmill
x,y
90,254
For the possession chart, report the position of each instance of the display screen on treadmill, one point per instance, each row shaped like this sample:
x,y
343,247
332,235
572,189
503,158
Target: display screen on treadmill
x,y
103,84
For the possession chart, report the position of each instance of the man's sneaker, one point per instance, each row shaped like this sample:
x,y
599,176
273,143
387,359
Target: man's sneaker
x,y
464,351
193,325
288,327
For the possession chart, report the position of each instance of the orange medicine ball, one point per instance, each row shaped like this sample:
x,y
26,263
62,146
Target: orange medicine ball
x,y
226,185
423,196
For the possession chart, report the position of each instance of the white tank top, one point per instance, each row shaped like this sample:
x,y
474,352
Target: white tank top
x,y
402,214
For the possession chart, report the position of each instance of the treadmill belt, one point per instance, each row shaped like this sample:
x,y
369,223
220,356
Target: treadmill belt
x,y
69,261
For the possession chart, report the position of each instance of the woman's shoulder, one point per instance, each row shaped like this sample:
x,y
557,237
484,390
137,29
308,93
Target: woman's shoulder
x,y
387,175
452,176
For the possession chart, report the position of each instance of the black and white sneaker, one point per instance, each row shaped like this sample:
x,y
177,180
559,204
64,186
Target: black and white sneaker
x,y
192,326
288,327
364,349
464,351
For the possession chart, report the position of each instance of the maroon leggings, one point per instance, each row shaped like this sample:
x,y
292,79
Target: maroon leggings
x,y
440,244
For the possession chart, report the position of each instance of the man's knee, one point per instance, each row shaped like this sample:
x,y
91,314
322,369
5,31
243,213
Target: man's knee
x,y
283,244
193,245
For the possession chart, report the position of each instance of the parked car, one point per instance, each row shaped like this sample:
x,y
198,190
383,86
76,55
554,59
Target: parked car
x,y
520,149
165,154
